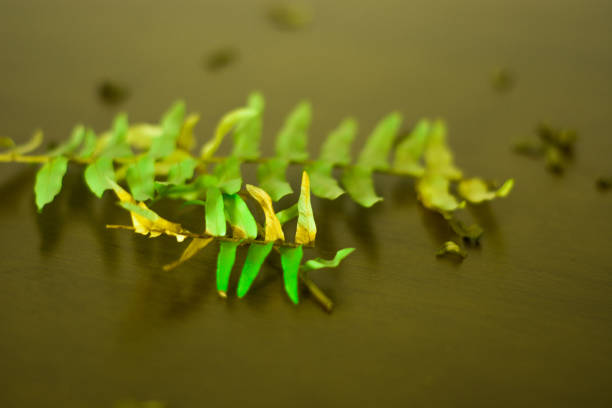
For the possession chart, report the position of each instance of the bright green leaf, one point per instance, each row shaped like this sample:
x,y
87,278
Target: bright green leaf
x,y
375,152
89,145
141,178
287,214
171,124
229,176
476,190
117,145
49,180
247,133
409,151
255,258
271,177
359,184
337,147
76,138
319,263
239,216
227,122
290,262
293,136
182,171
98,174
215,216
225,263
321,181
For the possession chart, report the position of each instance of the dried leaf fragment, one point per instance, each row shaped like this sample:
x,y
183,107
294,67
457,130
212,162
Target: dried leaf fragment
x,y
433,192
451,248
476,190
306,227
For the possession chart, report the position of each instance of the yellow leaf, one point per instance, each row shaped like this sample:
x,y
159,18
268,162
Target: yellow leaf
x,y
193,248
306,227
476,190
432,191
186,139
273,229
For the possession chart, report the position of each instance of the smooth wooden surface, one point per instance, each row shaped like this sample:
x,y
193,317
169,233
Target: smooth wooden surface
x,y
88,317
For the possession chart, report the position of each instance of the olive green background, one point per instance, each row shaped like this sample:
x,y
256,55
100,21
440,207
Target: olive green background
x,y
87,316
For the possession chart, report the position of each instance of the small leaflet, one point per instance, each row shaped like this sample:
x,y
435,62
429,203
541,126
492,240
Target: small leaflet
x,y
225,263
215,216
290,262
141,135
193,248
49,181
287,214
239,216
271,177
476,190
438,157
451,248
116,144
171,125
227,122
409,152
186,139
141,178
322,183
98,174
433,192
182,171
75,140
359,184
247,132
229,175
89,145
255,258
337,147
30,145
273,229
292,138
376,151
306,227
320,263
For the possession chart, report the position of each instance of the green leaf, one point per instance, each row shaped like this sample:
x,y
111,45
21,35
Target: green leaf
x,y
375,152
476,190
76,138
225,263
143,212
319,263
182,171
255,258
98,174
30,145
186,139
287,214
247,133
49,180
89,145
141,178
171,125
290,261
271,177
142,135
229,176
409,151
239,216
359,184
215,216
227,122
117,145
292,138
321,181
337,147
433,192
438,157
451,248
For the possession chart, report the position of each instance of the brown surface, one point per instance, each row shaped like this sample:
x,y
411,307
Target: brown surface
x,y
87,316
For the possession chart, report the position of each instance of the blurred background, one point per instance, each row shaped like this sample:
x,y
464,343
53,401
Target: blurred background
x,y
88,318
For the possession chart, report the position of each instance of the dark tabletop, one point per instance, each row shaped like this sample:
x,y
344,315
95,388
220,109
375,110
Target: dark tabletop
x,y
88,317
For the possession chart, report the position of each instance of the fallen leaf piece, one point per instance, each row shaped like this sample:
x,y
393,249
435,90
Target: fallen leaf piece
x,y
221,58
320,263
470,234
193,248
289,16
112,93
451,248
476,190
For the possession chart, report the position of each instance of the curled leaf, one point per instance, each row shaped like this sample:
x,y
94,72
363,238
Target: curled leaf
x,y
359,184
215,216
476,190
271,176
49,180
290,262
293,136
273,229
98,174
225,263
193,248
375,152
451,248
408,153
306,227
227,122
433,192
256,256
320,263
239,216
